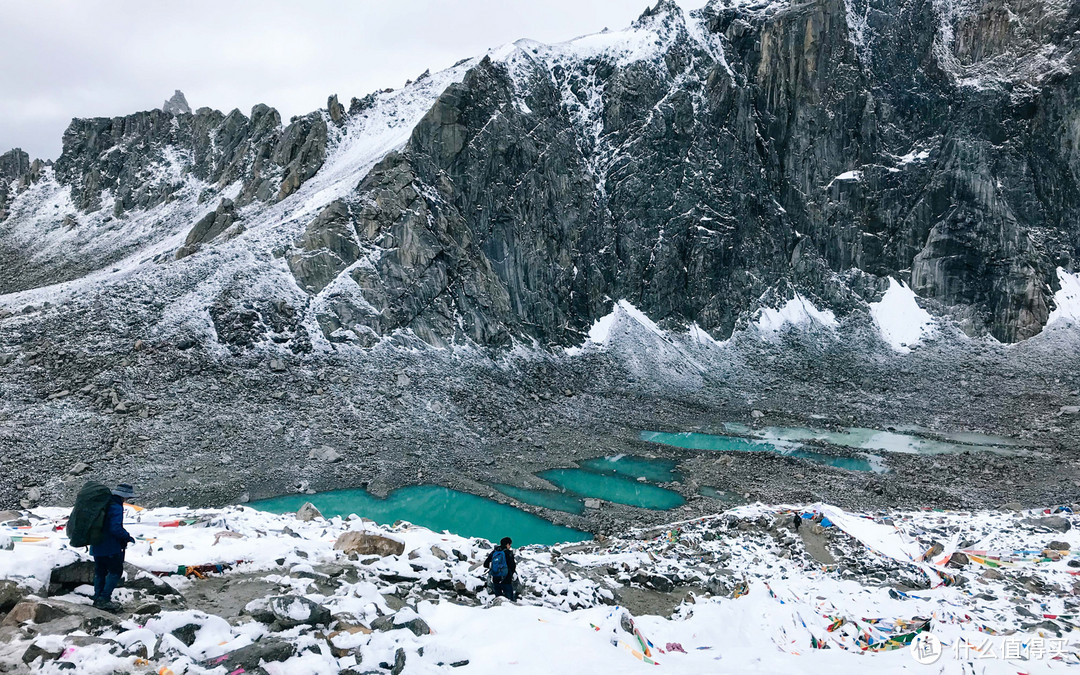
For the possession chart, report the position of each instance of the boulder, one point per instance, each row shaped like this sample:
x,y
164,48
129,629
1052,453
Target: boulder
x,y
324,453
1056,523
35,611
11,594
38,650
187,633
1058,546
79,469
250,658
294,610
406,619
308,512
958,559
365,543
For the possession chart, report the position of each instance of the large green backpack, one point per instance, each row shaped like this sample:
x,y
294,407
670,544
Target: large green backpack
x,y
87,521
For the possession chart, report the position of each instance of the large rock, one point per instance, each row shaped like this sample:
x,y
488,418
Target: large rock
x,y
308,512
366,543
250,658
11,594
295,610
210,227
1056,523
35,611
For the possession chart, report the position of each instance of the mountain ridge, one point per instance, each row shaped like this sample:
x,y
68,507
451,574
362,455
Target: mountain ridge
x,y
701,166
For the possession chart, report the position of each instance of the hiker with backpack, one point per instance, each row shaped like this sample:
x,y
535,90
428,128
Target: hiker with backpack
x,y
502,565
98,521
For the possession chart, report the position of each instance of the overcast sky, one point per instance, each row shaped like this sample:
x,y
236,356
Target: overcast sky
x,y
88,58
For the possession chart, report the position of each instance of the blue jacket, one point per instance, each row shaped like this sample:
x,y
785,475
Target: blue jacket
x,y
114,538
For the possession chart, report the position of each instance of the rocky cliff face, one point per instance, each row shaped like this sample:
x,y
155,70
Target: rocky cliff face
x,y
697,166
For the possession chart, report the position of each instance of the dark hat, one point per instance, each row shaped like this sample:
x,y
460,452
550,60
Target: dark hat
x,y
124,490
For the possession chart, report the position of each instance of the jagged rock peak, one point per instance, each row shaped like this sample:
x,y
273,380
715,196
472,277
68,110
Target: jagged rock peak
x,y
14,163
177,105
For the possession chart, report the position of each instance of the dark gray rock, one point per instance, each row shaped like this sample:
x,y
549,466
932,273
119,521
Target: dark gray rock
x,y
187,633
249,658
36,651
177,104
294,610
1056,523
213,225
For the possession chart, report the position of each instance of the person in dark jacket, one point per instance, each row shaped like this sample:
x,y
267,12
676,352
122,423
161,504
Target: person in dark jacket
x,y
109,552
504,584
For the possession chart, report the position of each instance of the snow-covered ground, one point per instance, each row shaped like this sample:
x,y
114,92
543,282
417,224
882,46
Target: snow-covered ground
x,y
842,593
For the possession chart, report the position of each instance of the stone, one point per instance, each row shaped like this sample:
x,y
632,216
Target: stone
x,y
79,468
277,366
308,512
250,657
177,104
6,543
992,574
591,503
147,608
325,453
1056,523
757,414
1058,546
364,543
958,559
295,610
209,228
187,633
1012,506
399,662
37,651
33,610
336,110
11,594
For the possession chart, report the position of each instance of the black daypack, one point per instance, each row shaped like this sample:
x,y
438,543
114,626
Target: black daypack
x,y
86,525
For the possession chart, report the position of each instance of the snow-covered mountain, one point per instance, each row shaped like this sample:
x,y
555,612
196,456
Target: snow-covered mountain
x,y
703,167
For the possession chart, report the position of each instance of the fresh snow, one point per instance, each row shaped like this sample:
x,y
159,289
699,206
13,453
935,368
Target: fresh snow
x,y
1066,300
569,625
899,319
854,175
797,311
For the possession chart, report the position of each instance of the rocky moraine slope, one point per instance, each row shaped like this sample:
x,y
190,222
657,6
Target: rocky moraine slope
x,y
403,273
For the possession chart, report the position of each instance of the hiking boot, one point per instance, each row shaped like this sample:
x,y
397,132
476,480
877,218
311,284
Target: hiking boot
x,y
106,606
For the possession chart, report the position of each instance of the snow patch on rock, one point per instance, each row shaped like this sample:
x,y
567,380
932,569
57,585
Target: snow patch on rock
x,y
1066,301
899,319
797,311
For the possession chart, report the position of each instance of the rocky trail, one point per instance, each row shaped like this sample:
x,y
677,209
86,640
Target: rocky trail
x,y
287,594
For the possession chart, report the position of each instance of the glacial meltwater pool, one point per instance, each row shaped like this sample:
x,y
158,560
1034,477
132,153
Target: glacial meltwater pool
x,y
630,466
437,508
548,499
694,441
613,488
886,441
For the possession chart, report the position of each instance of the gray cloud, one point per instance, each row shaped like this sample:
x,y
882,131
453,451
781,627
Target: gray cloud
x,y
87,58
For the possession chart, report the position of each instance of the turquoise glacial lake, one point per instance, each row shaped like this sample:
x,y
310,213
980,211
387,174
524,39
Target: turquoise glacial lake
x,y
437,508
